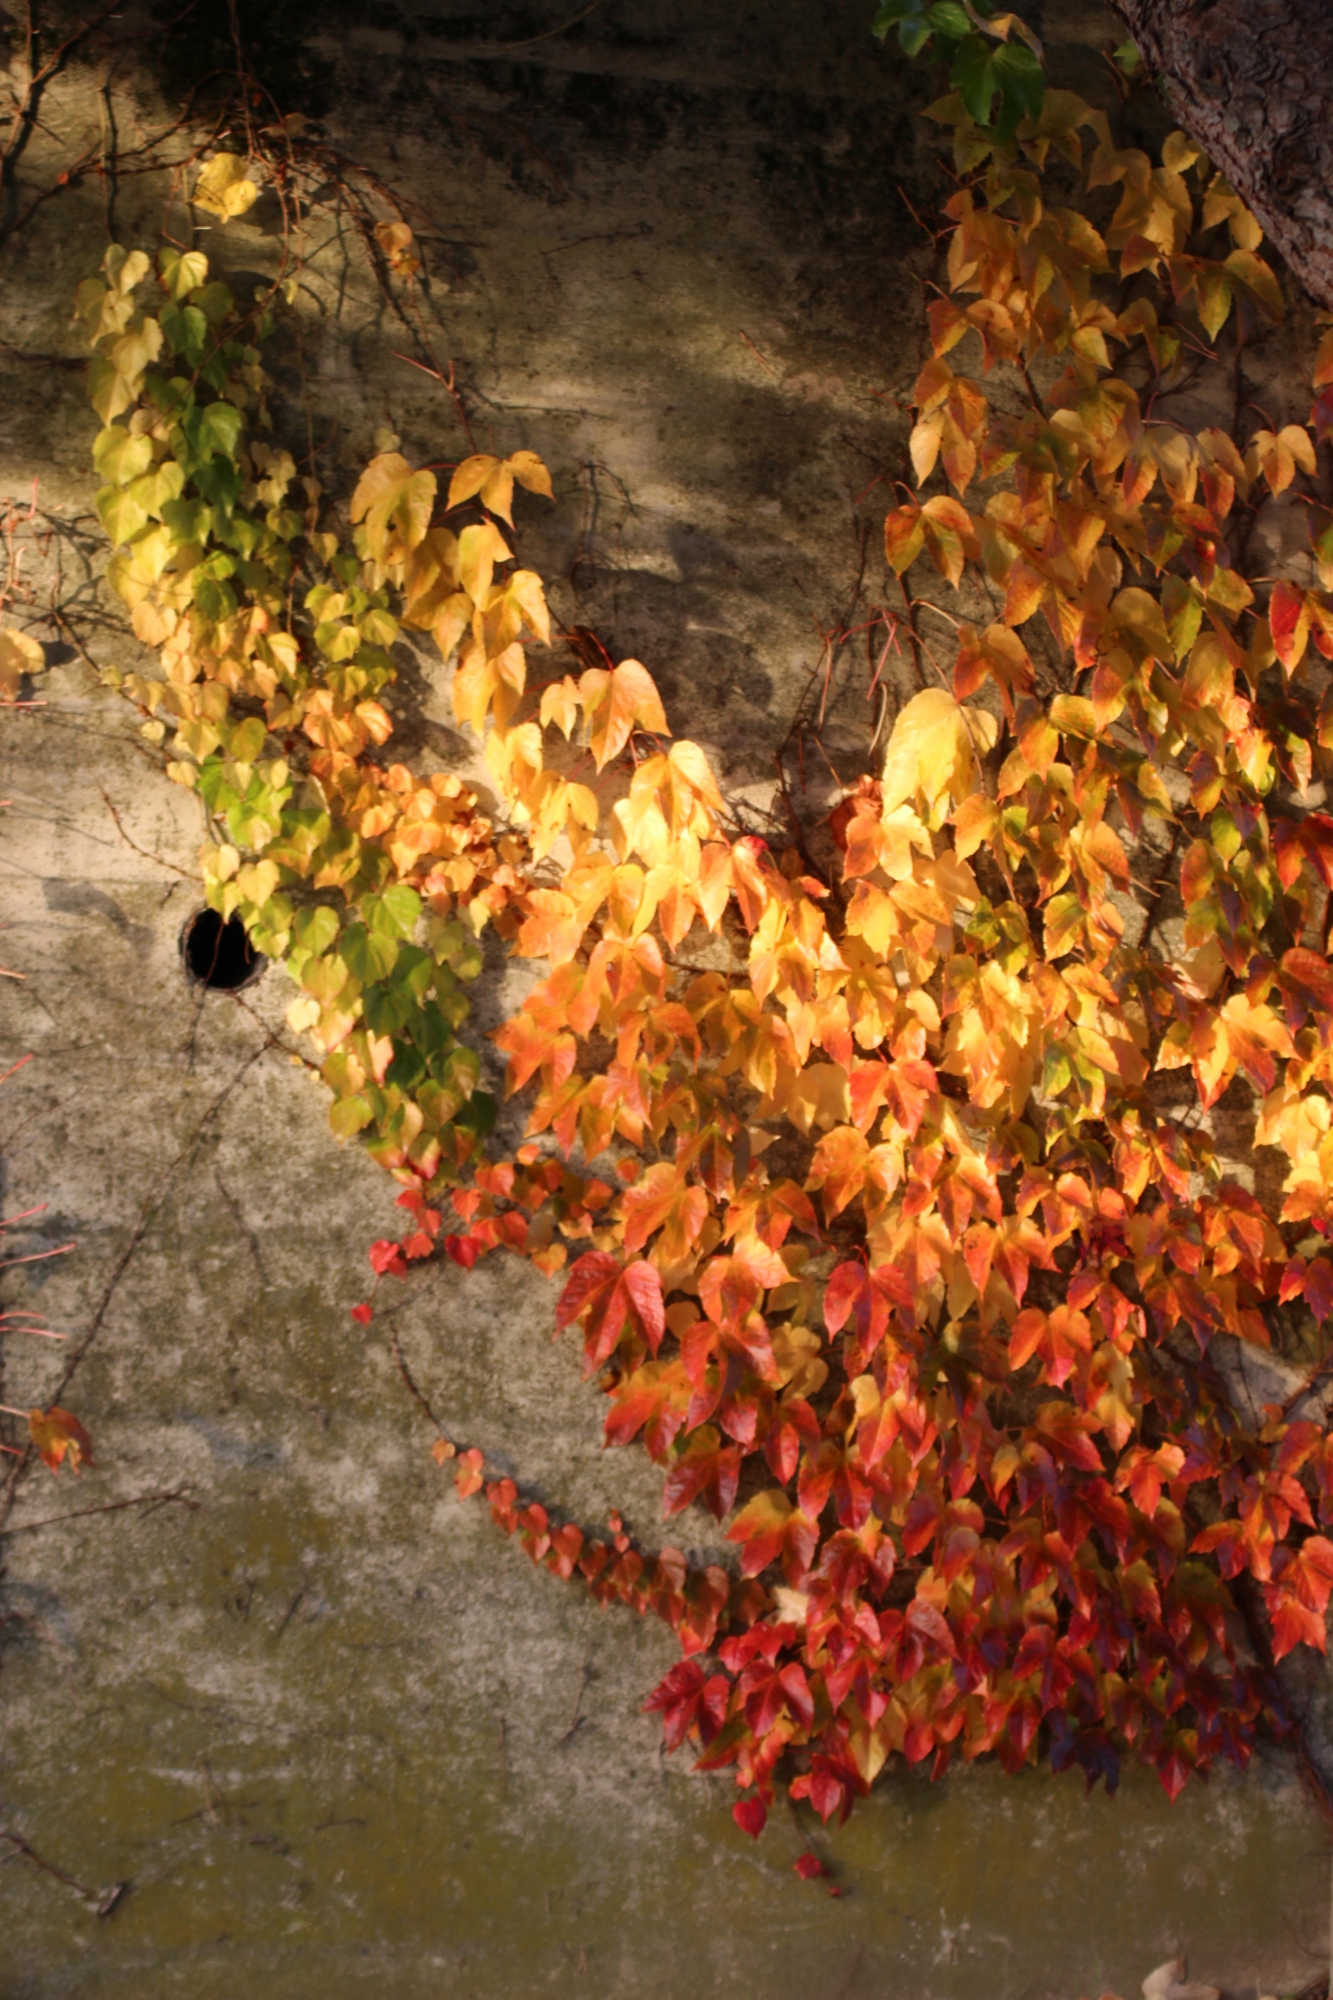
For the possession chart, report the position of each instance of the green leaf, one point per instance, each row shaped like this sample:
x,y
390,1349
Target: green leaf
x,y
338,642
909,18
240,533
949,18
388,1012
215,301
214,600
477,1114
219,480
315,929
215,430
369,955
974,76
1022,83
415,971
395,913
185,329
1182,608
188,520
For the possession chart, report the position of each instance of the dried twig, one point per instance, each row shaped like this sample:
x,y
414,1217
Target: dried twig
x,y
112,1507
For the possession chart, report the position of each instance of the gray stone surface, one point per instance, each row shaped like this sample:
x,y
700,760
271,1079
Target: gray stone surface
x,y
331,1729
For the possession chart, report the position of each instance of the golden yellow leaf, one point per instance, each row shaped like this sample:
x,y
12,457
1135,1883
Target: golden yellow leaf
x,y
19,655
933,749
224,188
395,504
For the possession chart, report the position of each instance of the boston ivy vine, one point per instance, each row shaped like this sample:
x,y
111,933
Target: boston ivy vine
x,y
956,1372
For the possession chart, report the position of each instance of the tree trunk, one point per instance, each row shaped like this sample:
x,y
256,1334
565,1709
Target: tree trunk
x,y
1252,82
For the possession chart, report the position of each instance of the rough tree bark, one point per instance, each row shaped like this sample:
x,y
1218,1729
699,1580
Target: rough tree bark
x,y
1252,82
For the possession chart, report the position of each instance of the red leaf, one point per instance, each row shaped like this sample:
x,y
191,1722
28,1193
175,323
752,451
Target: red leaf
x,y
750,1815
464,1250
1173,1770
809,1867
706,1470
782,1440
386,1258
591,1273
690,1702
644,1286
825,1787
599,1288
1296,1625
1289,623
846,1289
363,1314
427,1218
1319,1287
469,1474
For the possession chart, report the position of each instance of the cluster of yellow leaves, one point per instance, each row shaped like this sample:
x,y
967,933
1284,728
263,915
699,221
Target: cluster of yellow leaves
x,y
334,860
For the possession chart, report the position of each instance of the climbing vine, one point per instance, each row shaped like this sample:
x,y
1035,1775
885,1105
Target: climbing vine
x,y
886,1202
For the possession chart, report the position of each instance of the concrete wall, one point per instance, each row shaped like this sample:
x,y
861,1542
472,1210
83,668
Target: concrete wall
x,y
333,1733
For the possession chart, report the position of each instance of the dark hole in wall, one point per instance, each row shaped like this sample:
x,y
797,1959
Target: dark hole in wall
x,y
219,954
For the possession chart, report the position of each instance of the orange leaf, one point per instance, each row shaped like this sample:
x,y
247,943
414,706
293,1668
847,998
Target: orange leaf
x,y
59,1436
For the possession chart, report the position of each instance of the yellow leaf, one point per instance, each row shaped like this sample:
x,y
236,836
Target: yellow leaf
x,y
1179,152
395,504
498,492
525,588
224,188
560,704
530,472
479,549
19,655
817,1097
451,622
470,476
615,702
796,1353
933,749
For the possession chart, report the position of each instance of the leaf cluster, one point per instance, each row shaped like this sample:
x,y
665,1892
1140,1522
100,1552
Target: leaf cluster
x,y
965,1368
993,60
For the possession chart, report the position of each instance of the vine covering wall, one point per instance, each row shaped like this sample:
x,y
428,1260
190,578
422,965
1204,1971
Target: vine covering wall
x,y
883,1200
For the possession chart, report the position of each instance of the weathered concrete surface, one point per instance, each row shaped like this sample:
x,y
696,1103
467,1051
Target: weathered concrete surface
x,y
332,1730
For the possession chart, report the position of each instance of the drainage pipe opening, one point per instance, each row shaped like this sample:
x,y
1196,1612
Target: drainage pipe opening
x,y
219,954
